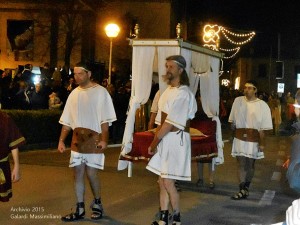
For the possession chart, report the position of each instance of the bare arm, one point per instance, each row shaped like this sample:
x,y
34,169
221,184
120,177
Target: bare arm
x,y
164,129
104,136
65,130
261,140
286,163
15,174
152,121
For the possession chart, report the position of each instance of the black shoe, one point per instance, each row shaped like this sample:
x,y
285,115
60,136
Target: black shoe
x,y
176,219
154,223
97,209
242,194
164,217
75,216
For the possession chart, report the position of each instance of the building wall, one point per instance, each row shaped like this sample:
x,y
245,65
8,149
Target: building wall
x,y
40,53
248,68
153,18
8,58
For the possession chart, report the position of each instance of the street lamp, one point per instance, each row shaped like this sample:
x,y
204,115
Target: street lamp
x,y
112,31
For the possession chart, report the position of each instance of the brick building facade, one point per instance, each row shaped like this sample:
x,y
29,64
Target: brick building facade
x,y
36,31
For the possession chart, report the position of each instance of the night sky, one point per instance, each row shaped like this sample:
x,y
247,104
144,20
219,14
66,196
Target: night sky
x,y
248,14
266,18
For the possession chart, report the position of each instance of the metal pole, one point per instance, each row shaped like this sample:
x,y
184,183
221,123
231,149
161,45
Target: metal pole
x,y
109,66
270,66
278,45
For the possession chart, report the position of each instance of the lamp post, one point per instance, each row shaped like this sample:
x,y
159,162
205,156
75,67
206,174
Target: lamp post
x,y
112,31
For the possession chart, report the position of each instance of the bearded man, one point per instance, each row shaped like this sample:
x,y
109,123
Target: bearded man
x,y
172,160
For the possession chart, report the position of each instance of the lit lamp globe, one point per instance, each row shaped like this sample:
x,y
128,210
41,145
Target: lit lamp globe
x,y
112,30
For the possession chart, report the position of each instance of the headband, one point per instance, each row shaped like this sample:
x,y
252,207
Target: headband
x,y
81,67
249,85
179,63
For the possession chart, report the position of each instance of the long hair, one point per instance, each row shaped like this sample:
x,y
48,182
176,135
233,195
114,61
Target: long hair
x,y
184,78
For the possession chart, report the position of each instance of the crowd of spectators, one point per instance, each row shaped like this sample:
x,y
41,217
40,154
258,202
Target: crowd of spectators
x,y
19,89
25,89
29,88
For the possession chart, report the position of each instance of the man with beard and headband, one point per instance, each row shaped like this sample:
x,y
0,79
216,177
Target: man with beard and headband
x,y
88,112
250,117
172,142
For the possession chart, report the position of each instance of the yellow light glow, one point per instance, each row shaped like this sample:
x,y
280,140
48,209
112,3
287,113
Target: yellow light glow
x,y
225,82
226,34
237,83
112,30
211,33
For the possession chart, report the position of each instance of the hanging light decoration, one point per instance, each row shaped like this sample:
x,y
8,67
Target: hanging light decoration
x,y
226,34
235,50
211,39
211,36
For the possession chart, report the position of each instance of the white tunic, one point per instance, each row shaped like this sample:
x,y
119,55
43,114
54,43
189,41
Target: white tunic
x,y
249,114
88,108
173,157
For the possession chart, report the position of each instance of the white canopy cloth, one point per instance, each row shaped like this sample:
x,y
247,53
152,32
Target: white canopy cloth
x,y
210,98
143,66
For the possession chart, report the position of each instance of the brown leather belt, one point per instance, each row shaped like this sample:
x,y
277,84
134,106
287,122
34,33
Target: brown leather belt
x,y
174,129
247,134
85,141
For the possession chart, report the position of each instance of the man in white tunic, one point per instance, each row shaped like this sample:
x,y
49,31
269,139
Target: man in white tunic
x,y
88,112
250,117
172,161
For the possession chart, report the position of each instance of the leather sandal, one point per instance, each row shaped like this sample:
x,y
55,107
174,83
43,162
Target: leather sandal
x,y
97,209
176,219
75,216
164,218
242,194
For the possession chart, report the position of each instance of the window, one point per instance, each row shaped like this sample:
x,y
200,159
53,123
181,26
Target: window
x,y
279,69
20,36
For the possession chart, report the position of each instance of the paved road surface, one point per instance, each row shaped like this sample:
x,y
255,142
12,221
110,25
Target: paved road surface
x,y
46,192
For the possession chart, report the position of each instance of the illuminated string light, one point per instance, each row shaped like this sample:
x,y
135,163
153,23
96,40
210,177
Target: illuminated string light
x,y
249,36
237,49
230,49
237,35
211,38
211,46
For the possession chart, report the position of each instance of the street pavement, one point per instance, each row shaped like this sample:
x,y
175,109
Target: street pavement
x,y
45,192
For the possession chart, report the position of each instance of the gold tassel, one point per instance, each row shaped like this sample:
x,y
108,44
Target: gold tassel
x,y
2,177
